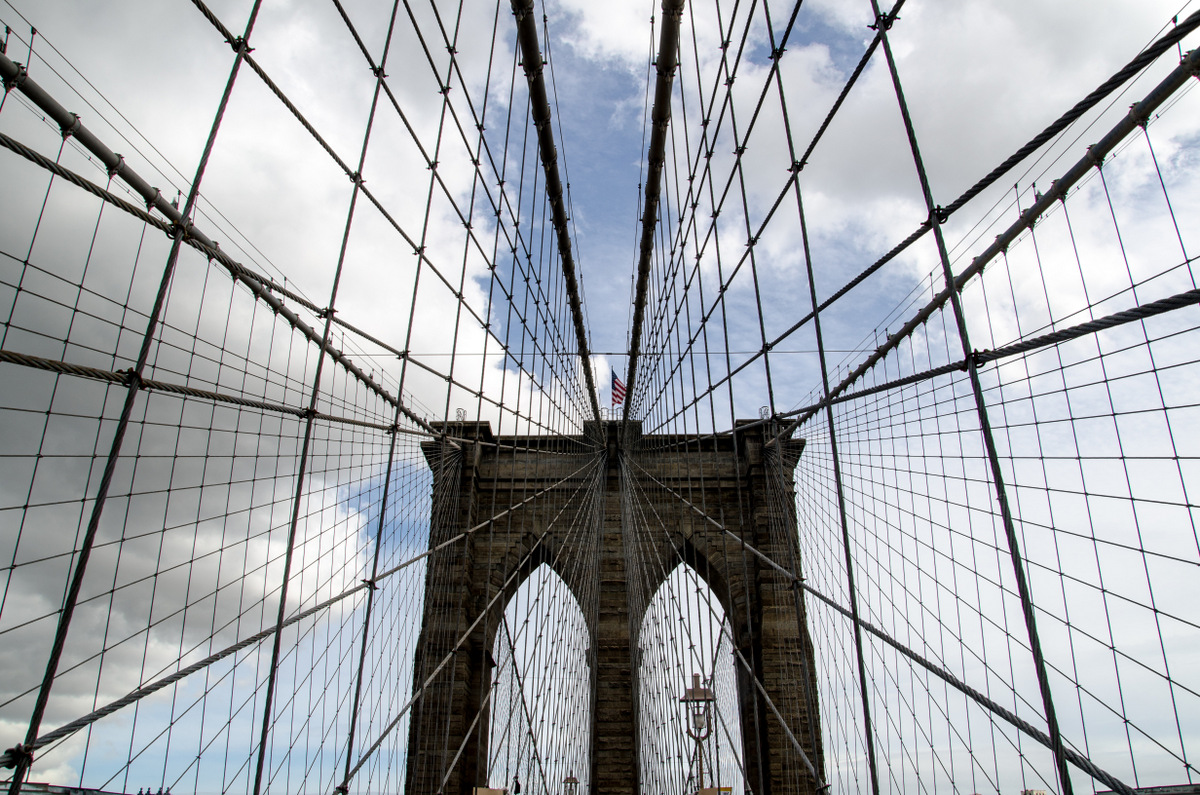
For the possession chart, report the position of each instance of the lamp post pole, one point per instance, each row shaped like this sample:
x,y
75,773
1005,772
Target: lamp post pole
x,y
699,722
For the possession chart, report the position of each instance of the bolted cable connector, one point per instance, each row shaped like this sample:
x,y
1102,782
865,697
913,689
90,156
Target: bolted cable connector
x,y
18,757
132,378
883,22
239,45
71,128
16,80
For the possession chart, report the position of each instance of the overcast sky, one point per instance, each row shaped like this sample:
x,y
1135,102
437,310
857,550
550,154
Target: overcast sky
x,y
980,77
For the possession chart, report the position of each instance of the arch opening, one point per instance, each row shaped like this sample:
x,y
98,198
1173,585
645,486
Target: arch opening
x,y
539,730
685,746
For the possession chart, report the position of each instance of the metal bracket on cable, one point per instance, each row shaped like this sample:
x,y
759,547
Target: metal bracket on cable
x,y
19,757
883,22
72,128
17,79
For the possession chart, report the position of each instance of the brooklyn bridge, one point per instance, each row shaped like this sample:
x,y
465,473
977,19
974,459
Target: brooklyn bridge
x,y
568,398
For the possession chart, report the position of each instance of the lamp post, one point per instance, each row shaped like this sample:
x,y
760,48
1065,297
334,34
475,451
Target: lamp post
x,y
697,699
570,784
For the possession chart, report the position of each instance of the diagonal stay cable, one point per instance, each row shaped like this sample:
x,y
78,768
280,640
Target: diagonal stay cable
x,y
431,162
15,75
700,512
1138,115
467,633
1118,79
1080,761
1141,312
261,286
136,695
726,627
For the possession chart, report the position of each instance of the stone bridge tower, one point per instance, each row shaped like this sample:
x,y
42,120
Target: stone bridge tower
x,y
747,494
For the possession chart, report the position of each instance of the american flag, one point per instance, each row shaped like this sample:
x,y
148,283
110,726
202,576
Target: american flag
x,y
618,390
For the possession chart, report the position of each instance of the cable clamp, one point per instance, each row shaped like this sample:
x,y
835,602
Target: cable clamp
x,y
153,200
371,584
378,72
796,167
132,378
342,789
356,178
19,757
16,80
72,128
1139,118
777,53
939,215
326,313
239,46
116,169
883,22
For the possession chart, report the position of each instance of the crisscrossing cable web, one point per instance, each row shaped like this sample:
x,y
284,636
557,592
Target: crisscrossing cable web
x,y
338,455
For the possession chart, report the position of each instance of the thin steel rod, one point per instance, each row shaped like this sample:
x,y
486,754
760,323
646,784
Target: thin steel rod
x,y
368,610
936,217
660,120
531,62
1152,309
1082,762
462,638
700,512
69,124
1138,115
14,75
1168,40
727,628
149,385
66,730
